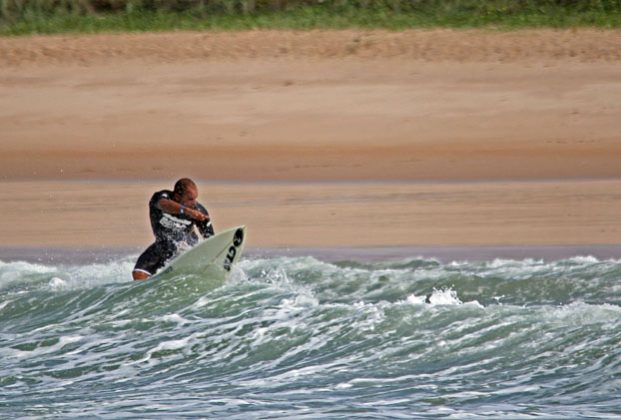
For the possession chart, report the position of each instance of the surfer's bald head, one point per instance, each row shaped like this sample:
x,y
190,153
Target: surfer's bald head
x,y
184,185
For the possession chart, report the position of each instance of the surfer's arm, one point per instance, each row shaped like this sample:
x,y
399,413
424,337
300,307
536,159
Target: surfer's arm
x,y
204,227
172,207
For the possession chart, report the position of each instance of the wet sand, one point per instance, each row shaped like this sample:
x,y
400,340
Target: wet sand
x,y
321,140
82,214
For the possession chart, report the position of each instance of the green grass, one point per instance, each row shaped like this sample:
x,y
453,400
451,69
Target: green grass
x,y
452,14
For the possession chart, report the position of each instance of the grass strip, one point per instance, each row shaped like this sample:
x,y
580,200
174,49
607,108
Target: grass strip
x,y
89,20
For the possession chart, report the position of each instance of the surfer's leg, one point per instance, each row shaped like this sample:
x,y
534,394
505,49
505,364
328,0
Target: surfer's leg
x,y
141,269
151,260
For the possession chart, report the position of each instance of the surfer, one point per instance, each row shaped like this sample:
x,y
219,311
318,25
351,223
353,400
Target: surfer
x,y
173,214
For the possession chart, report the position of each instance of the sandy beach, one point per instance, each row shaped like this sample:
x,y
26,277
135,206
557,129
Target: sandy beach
x,y
315,139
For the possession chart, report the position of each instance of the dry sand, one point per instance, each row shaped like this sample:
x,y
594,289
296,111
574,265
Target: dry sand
x,y
315,139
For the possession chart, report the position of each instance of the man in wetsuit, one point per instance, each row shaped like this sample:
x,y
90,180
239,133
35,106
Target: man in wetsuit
x,y
173,214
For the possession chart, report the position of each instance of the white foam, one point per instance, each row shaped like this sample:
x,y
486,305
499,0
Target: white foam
x,y
57,283
41,350
372,314
580,313
4,304
24,267
176,318
444,297
21,272
64,277
172,344
415,300
588,259
92,275
182,343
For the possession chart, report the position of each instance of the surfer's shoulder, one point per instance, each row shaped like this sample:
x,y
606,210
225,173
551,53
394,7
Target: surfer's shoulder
x,y
157,196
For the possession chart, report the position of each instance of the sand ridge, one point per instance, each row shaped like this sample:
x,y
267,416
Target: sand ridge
x,y
584,45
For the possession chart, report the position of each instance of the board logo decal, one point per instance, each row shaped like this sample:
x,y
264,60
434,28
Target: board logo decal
x,y
238,239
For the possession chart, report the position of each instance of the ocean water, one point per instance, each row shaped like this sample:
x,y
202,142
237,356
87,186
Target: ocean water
x,y
301,338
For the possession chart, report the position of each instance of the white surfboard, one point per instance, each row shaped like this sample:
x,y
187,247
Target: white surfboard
x,y
211,258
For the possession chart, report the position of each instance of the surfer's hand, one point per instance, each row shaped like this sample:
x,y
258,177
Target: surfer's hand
x,y
197,215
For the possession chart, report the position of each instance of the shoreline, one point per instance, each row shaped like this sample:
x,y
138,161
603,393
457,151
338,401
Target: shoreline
x,y
444,254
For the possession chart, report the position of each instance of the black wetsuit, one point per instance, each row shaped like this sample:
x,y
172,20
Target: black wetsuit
x,y
171,233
